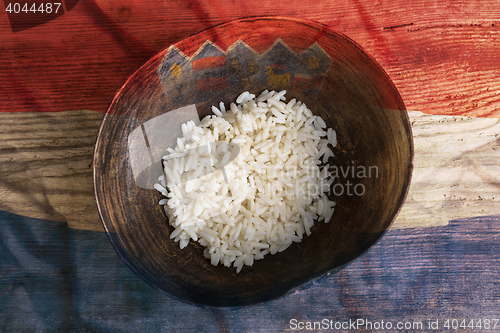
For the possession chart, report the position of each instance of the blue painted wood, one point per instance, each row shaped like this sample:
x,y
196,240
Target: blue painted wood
x,y
53,278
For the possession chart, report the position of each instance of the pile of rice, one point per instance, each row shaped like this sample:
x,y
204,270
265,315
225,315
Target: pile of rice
x,y
264,199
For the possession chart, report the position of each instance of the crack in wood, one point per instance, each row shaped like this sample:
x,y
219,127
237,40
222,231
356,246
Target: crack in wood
x,y
398,26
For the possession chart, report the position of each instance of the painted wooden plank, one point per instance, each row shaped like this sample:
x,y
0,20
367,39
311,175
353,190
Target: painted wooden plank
x,y
443,56
77,283
456,170
45,168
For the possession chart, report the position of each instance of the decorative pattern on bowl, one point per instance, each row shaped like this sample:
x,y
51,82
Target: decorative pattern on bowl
x,y
240,67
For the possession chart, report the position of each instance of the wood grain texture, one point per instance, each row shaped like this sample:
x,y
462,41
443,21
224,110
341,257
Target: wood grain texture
x,y
46,169
47,174
78,284
442,55
456,170
45,166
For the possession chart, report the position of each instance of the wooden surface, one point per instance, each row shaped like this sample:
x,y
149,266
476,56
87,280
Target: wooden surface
x,y
47,174
456,170
58,78
442,55
431,58
46,166
79,285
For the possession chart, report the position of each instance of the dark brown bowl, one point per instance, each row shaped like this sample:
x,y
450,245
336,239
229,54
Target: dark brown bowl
x,y
318,66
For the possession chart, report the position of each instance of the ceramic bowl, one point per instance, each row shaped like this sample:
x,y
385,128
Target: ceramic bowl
x,y
326,70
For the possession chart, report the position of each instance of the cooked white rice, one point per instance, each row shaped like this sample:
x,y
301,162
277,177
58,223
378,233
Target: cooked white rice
x,y
264,199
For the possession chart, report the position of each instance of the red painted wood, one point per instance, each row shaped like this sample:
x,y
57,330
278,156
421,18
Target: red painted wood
x,y
442,55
